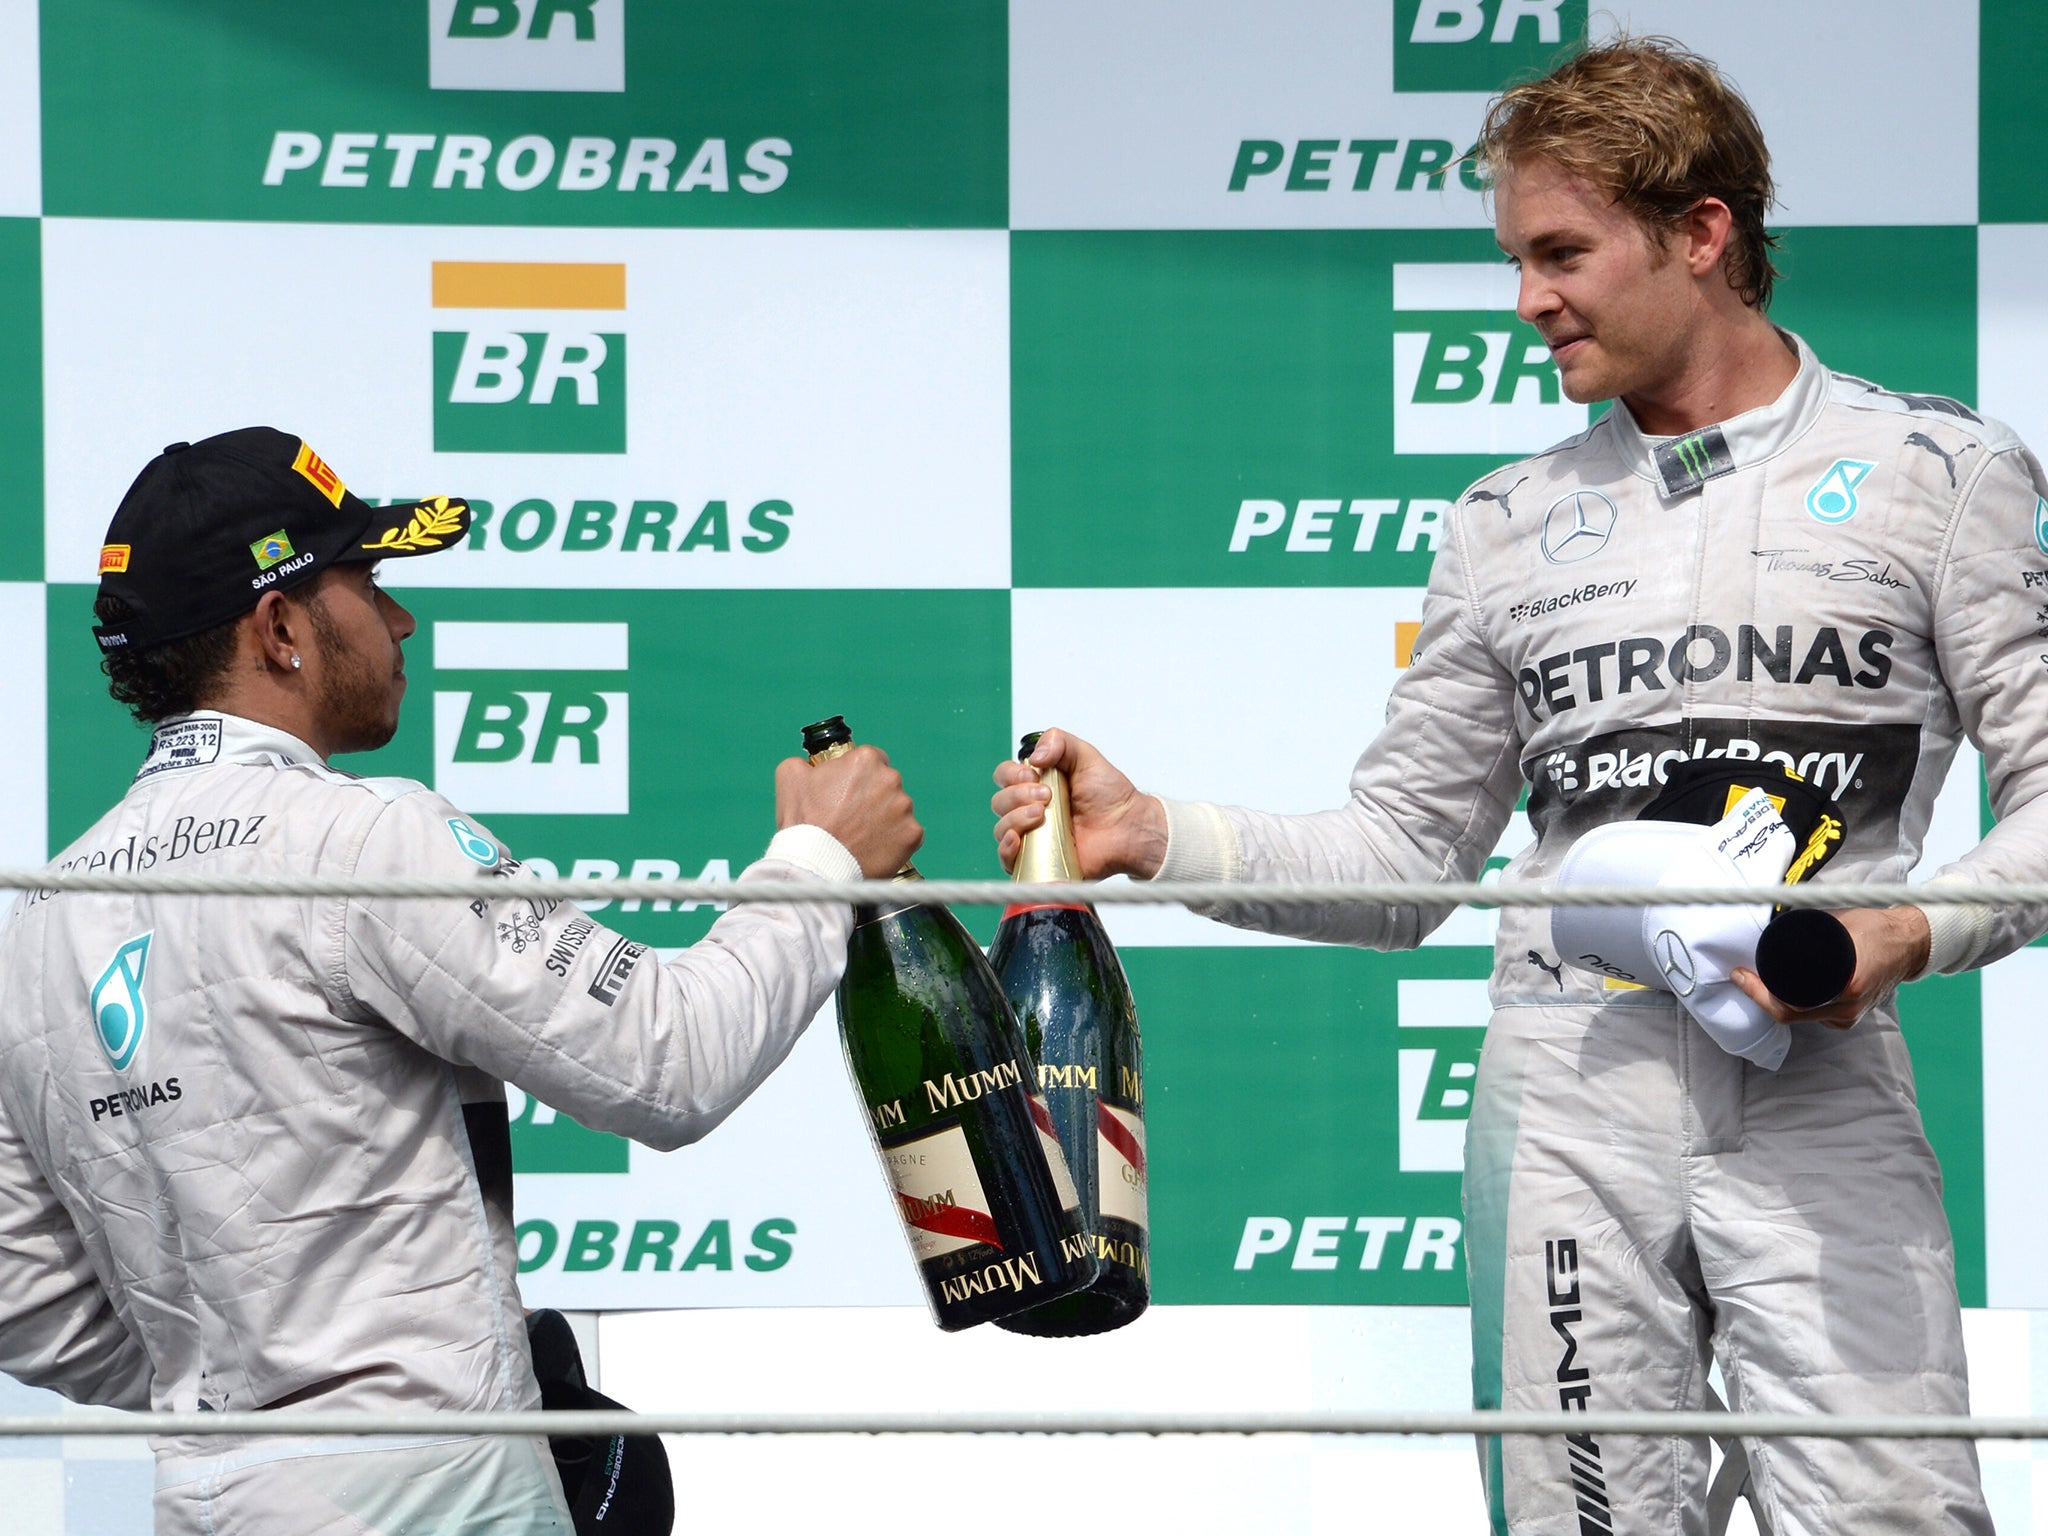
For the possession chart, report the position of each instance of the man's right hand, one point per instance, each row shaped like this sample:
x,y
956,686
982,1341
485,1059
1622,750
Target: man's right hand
x,y
1117,830
859,799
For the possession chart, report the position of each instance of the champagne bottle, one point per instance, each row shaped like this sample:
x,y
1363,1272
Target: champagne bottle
x,y
1062,976
940,1062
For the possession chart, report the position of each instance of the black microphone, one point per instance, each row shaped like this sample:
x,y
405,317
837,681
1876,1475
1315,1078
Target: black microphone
x,y
1805,957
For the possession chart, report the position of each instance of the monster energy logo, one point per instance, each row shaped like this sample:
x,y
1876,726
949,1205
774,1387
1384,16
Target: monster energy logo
x,y
1689,462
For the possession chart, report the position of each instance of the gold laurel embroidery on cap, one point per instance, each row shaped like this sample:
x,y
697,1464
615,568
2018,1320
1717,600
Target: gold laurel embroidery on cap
x,y
438,519
1818,847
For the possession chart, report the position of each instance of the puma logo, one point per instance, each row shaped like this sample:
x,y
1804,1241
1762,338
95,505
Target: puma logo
x,y
1499,496
1948,460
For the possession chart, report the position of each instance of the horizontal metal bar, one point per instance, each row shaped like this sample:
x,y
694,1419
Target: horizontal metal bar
x,y
1765,1426
1002,892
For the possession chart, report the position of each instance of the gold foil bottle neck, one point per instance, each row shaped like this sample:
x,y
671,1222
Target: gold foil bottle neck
x,y
1048,853
840,749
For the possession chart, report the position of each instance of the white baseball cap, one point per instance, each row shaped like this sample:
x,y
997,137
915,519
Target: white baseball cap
x,y
1688,951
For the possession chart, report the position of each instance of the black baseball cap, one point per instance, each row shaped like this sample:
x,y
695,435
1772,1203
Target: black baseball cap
x,y
618,1485
209,527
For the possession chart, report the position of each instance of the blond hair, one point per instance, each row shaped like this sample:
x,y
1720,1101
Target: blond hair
x,y
1656,127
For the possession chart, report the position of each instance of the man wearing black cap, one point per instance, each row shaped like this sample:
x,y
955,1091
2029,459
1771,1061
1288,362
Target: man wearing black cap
x,y
253,1152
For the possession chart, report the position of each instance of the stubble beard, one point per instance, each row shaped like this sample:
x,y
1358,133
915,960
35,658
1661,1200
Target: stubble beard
x,y
355,698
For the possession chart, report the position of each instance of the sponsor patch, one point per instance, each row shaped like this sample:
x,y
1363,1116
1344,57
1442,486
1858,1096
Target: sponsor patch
x,y
1832,498
520,932
133,1101
114,559
2041,524
1689,462
1577,526
475,847
1948,460
119,1013
1612,776
1591,592
613,970
1782,653
318,475
1801,562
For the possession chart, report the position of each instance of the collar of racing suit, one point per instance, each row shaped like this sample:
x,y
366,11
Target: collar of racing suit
x,y
1680,465
206,737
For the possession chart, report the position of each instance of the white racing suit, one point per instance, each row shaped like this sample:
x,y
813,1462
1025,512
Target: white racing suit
x,y
253,1152
1848,582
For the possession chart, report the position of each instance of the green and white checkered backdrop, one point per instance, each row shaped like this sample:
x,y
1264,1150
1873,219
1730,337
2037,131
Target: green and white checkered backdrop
x,y
961,368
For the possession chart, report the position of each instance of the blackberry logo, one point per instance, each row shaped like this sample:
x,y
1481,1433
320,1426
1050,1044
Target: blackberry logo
x,y
1562,770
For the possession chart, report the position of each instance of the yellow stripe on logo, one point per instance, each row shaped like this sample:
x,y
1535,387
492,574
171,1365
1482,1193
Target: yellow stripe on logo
x,y
529,285
1405,631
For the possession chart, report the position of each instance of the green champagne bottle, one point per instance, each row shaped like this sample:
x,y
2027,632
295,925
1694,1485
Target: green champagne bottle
x,y
939,1061
1062,976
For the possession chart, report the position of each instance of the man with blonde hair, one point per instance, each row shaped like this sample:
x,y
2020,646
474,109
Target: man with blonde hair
x,y
1822,573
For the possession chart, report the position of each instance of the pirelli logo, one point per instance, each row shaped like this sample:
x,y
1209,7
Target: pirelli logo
x,y
613,970
318,475
114,559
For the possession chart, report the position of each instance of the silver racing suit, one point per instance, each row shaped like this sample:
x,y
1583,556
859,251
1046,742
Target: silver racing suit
x,y
253,1151
1847,581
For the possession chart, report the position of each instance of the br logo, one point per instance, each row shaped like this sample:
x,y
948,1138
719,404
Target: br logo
x,y
1480,45
503,386
1442,1026
1469,376
532,718
526,45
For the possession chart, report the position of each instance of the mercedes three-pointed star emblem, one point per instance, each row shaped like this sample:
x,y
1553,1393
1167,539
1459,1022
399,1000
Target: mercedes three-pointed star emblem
x,y
1676,962
1577,526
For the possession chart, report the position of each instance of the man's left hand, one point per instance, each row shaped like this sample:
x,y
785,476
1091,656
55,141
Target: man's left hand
x,y
1891,947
